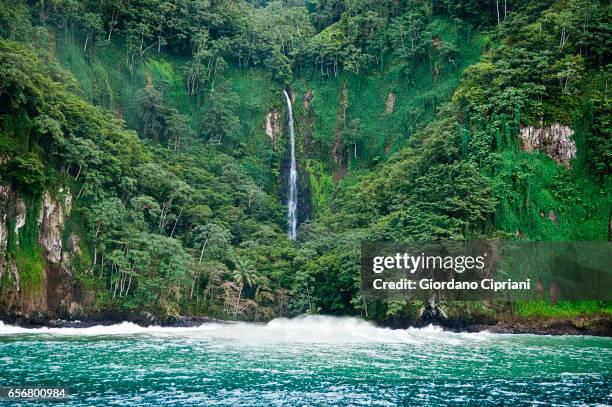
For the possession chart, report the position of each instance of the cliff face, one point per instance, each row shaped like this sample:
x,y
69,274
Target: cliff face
x,y
9,277
555,141
35,266
273,124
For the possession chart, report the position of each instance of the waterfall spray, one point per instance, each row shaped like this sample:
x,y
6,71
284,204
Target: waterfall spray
x,y
292,203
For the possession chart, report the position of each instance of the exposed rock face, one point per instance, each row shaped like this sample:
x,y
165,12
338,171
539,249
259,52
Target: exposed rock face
x,y
75,311
553,217
555,141
308,97
51,224
3,223
273,125
74,244
3,243
53,294
20,215
67,202
3,237
6,266
390,104
4,192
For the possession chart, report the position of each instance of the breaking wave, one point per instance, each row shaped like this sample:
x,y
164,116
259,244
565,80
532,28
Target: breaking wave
x,y
302,329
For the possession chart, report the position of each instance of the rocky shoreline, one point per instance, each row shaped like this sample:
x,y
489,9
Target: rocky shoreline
x,y
592,325
596,326
143,319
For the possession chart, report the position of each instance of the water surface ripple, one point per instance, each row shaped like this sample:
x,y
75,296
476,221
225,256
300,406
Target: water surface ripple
x,y
306,361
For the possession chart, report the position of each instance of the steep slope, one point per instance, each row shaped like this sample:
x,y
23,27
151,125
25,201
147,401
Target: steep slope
x,y
413,121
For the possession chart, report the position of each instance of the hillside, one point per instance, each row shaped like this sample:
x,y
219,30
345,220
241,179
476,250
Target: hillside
x,y
145,153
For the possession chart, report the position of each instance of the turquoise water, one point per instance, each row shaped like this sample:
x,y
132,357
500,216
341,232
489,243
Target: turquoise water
x,y
305,361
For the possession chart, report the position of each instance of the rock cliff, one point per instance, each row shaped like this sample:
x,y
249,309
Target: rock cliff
x,y
35,273
554,140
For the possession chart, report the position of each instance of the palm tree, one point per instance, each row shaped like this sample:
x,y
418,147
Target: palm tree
x,y
244,274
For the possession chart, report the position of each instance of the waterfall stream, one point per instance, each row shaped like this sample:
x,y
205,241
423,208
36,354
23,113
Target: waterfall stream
x,y
292,203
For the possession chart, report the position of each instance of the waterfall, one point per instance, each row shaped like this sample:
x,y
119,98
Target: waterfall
x,y
292,203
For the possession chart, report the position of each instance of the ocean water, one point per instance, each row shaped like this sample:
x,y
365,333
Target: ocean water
x,y
309,361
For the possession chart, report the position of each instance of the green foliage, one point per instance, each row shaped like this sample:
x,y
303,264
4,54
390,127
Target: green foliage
x,y
599,143
14,20
30,266
408,118
220,123
321,185
27,172
26,252
562,308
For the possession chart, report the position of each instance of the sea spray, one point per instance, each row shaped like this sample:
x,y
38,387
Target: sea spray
x,y
293,198
302,329
310,360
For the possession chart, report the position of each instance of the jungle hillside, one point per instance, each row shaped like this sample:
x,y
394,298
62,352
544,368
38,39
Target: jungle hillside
x,y
145,152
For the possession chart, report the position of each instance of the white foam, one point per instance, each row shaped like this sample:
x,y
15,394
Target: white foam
x,y
302,329
124,328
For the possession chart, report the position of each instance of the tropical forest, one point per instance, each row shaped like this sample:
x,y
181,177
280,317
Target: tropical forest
x,y
226,158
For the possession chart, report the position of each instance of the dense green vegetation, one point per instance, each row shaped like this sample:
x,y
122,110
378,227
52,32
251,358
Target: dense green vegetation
x,y
152,113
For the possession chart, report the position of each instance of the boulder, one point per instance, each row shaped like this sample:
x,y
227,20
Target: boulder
x,y
143,318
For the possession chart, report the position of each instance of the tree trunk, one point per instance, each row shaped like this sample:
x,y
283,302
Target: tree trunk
x,y
176,221
202,252
129,284
195,278
497,6
238,301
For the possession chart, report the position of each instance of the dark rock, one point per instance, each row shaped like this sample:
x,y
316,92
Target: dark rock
x,y
143,318
187,322
431,313
75,311
37,317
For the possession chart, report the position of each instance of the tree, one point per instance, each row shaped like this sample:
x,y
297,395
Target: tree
x,y
214,273
152,112
83,154
104,218
214,242
568,71
91,24
220,123
178,131
244,275
27,173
